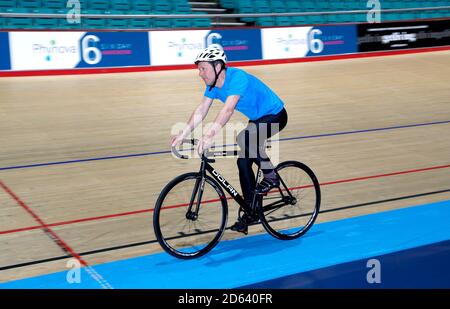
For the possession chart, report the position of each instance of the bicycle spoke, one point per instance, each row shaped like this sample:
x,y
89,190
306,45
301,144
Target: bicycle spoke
x,y
185,231
290,210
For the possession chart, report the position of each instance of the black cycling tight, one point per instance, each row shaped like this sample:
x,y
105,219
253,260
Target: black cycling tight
x,y
251,141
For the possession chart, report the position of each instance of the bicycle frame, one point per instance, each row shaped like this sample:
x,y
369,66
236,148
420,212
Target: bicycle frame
x,y
206,167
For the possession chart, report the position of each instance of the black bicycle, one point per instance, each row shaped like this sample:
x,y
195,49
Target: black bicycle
x,y
190,215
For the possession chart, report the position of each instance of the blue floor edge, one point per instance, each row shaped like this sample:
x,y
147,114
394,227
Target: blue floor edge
x,y
424,267
232,263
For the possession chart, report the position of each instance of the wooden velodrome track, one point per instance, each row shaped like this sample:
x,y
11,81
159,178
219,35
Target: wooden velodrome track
x,y
396,111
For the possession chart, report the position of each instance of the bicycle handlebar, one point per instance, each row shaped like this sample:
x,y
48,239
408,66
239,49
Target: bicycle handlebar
x,y
191,141
207,153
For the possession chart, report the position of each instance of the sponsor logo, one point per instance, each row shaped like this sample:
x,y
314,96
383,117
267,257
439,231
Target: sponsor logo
x,y
227,45
184,45
52,49
396,36
225,183
290,41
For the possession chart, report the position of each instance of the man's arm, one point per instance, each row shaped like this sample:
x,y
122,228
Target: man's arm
x,y
224,115
220,121
196,118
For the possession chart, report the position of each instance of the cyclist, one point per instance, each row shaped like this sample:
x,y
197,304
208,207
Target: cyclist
x,y
249,95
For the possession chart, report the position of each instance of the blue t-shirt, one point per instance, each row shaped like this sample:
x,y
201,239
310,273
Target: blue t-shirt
x,y
256,99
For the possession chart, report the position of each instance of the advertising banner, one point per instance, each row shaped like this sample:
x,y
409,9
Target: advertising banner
x,y
44,50
114,49
298,42
403,35
176,47
239,44
285,43
69,50
5,63
332,40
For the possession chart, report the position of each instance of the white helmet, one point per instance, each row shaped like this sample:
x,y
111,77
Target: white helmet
x,y
210,54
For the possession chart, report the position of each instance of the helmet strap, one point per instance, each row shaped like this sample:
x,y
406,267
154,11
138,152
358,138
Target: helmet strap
x,y
217,74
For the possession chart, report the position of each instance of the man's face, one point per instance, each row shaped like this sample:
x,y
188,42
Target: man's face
x,y
206,72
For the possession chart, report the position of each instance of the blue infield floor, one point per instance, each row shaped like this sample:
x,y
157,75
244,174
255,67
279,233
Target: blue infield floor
x,y
404,248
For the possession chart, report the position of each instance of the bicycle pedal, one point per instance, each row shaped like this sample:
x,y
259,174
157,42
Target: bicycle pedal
x,y
245,232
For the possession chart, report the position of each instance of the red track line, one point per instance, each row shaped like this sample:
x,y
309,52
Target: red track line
x,y
386,175
59,241
185,204
21,229
173,206
95,218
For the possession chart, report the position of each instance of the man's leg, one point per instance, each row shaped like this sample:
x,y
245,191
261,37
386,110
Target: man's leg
x,y
245,161
246,175
267,127
253,151
246,178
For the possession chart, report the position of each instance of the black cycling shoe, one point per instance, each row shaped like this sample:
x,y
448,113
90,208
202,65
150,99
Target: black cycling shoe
x,y
241,225
266,185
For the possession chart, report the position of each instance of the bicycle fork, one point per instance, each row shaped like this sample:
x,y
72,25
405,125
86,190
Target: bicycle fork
x,y
194,207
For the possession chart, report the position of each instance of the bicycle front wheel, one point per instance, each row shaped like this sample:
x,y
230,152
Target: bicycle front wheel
x,y
289,211
190,216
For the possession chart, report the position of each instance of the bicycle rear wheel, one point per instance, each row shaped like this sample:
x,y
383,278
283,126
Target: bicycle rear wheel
x,y
179,228
289,211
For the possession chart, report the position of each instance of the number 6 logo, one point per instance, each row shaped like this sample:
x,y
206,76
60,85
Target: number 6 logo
x,y
90,49
315,45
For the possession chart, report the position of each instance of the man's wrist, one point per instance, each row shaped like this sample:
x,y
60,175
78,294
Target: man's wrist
x,y
185,133
209,135
213,130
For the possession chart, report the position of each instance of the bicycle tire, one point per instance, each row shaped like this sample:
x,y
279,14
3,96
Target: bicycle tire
x,y
190,242
275,219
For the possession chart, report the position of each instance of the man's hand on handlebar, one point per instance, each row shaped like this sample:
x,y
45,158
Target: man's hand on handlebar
x,y
176,140
204,143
